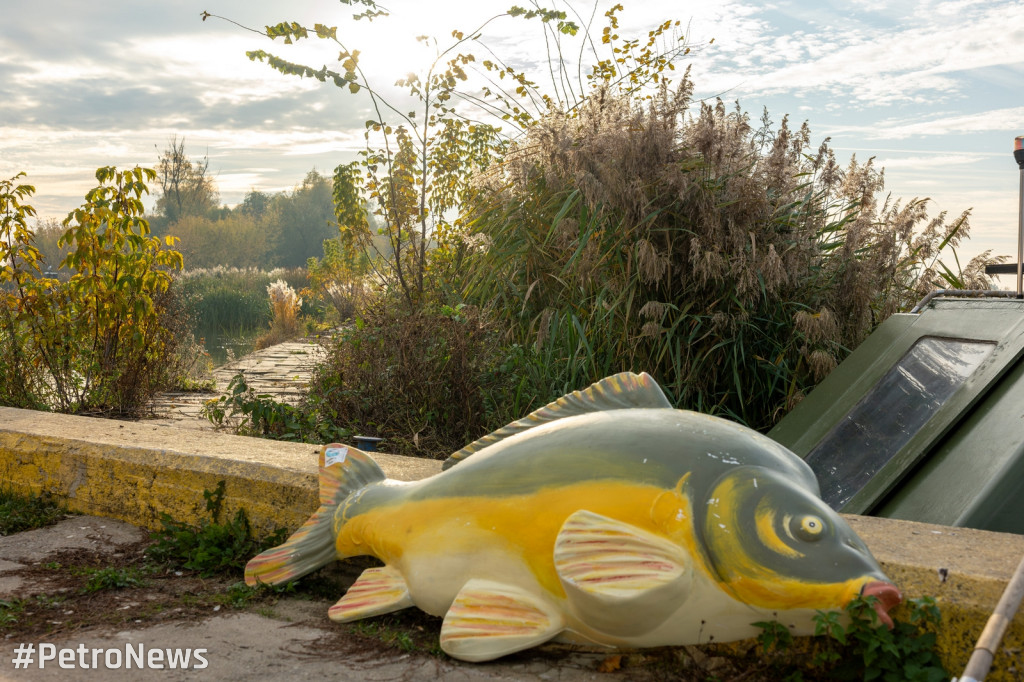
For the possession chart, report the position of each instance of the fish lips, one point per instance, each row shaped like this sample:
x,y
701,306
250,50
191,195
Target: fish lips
x,y
887,597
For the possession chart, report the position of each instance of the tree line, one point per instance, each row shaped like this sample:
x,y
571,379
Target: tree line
x,y
266,230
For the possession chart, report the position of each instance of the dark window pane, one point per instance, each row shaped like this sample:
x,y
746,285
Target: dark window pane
x,y
889,415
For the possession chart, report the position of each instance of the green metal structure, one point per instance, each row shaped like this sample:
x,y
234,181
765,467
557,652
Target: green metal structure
x,y
925,420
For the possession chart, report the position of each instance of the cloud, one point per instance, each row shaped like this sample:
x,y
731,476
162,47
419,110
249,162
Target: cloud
x,y
84,85
957,124
929,161
869,61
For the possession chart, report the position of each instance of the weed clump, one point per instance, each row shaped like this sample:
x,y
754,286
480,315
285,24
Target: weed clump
x,y
26,512
854,645
212,547
111,578
258,414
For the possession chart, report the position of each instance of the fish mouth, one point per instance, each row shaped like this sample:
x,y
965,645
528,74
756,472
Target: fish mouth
x,y
887,597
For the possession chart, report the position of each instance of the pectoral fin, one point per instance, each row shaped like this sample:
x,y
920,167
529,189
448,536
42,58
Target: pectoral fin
x,y
377,591
490,619
620,579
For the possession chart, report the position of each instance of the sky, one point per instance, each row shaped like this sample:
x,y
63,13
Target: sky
x,y
932,89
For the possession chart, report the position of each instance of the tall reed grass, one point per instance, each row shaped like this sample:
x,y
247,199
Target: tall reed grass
x,y
234,301
737,264
285,306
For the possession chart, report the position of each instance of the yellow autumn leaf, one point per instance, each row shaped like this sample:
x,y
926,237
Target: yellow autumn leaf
x,y
610,664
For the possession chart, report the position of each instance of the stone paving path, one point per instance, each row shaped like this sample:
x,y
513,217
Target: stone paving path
x,y
291,639
282,371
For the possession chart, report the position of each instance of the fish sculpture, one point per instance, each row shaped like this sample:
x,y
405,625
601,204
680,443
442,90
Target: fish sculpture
x,y
606,517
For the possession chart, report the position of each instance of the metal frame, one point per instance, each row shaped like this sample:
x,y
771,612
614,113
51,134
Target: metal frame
x,y
1001,322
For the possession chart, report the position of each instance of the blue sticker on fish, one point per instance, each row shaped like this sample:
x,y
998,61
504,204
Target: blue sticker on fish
x,y
606,517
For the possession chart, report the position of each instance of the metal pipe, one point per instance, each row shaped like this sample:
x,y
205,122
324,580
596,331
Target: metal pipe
x,y
1018,155
985,650
1020,239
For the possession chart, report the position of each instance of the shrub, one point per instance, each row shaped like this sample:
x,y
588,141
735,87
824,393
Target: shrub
x,y
260,415
338,279
624,229
736,264
425,381
103,340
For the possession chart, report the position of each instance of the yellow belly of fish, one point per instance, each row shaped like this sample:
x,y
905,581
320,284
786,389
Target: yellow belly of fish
x,y
519,528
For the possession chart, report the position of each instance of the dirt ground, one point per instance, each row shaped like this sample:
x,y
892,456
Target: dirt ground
x,y
86,584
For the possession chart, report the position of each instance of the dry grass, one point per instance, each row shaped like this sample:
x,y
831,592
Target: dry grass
x,y
285,305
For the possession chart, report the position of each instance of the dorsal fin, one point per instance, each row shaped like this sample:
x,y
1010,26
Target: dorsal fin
x,y
618,392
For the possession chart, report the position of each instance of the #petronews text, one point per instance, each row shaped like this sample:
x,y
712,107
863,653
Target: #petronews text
x,y
111,658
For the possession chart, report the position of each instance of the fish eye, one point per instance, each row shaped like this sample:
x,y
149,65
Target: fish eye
x,y
808,528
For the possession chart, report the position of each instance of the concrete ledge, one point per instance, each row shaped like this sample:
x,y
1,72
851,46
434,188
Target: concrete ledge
x,y
133,471
965,570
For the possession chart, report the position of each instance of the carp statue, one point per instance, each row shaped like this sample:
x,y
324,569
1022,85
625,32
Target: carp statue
x,y
606,517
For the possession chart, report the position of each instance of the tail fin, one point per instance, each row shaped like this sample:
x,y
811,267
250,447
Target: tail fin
x,y
343,471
